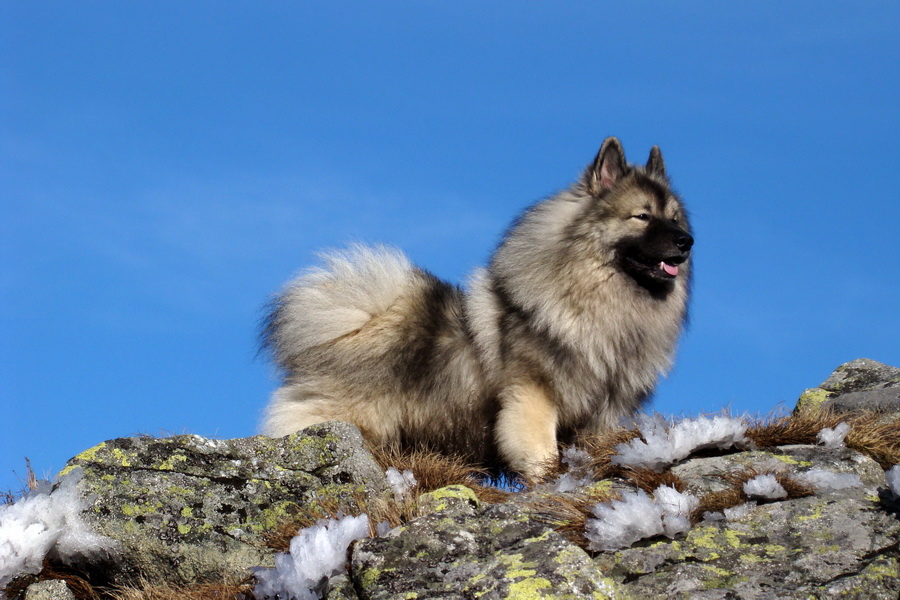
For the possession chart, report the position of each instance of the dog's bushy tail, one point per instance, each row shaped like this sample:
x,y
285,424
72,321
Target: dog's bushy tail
x,y
334,300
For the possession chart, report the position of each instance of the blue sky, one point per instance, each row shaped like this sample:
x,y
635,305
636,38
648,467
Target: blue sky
x,y
166,166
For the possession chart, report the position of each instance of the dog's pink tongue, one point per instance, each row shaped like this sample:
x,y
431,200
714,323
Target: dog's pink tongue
x,y
670,269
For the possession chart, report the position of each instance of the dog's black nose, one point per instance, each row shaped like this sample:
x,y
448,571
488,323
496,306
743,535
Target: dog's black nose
x,y
683,241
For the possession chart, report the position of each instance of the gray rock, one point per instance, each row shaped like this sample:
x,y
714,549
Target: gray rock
x,y
861,384
186,509
836,545
469,551
51,589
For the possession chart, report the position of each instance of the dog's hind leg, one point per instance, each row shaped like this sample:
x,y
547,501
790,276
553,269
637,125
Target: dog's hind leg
x,y
526,429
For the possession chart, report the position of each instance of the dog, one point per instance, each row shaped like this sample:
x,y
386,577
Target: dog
x,y
563,334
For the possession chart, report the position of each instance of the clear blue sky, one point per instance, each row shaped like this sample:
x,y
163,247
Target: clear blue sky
x,y
166,167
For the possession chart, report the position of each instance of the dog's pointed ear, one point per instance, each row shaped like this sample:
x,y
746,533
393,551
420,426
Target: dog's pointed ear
x,y
608,167
656,164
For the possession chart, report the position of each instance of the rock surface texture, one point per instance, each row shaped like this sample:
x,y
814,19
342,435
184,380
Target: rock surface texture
x,y
185,510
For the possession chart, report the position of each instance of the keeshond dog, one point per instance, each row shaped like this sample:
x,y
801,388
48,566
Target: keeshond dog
x,y
564,333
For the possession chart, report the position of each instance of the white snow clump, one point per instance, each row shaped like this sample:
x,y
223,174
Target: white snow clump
x,y
42,522
578,474
401,483
636,516
764,487
823,480
893,480
316,553
661,447
833,438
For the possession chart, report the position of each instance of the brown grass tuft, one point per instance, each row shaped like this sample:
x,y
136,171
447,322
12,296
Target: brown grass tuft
x,y
601,448
225,590
648,479
871,433
568,513
434,471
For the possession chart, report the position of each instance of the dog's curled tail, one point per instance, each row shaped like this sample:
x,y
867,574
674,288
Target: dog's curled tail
x,y
334,300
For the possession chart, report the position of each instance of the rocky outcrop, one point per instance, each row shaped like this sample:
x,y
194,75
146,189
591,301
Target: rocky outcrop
x,y
862,384
186,509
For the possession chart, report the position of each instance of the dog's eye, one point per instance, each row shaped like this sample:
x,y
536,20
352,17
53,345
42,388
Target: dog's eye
x,y
641,217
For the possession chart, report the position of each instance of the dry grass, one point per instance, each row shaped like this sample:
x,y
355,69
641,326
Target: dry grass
x,y
602,448
871,433
80,587
225,590
734,495
568,513
648,479
434,471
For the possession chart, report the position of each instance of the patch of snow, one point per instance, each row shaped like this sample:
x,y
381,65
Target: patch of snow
x,y
663,445
636,516
401,483
42,522
316,553
579,473
823,480
893,480
833,438
764,487
736,513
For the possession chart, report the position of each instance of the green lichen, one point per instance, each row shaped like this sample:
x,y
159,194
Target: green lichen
x,y
441,499
812,399
528,589
88,455
169,463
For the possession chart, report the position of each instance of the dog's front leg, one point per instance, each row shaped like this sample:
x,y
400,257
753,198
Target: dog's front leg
x,y
526,429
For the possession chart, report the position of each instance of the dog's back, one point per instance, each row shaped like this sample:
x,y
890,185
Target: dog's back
x,y
372,340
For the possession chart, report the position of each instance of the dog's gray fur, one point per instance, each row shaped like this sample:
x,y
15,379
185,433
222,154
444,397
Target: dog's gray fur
x,y
564,333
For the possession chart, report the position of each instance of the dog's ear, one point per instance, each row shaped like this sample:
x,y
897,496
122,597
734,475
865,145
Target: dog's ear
x,y
608,167
655,163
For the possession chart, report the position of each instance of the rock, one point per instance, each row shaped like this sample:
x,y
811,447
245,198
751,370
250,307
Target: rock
x,y
834,545
187,509
861,384
51,589
469,551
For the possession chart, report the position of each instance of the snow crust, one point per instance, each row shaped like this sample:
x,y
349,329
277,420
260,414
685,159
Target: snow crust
x,y
823,480
316,553
578,474
833,438
401,483
764,487
42,522
893,480
636,516
664,444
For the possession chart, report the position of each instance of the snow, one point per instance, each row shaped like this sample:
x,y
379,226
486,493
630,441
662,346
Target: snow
x,y
764,487
636,516
823,480
401,483
42,522
316,553
893,480
578,474
662,446
833,438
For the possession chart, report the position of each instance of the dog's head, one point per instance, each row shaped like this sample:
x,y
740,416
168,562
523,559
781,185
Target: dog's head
x,y
644,219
